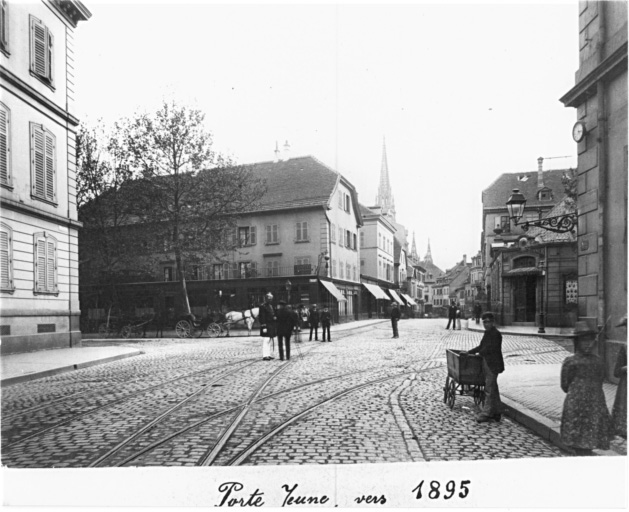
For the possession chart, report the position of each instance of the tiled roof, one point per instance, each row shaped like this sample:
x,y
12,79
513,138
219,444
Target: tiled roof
x,y
298,182
544,236
431,268
498,192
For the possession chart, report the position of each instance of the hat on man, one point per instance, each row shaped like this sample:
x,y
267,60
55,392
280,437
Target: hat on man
x,y
394,304
269,294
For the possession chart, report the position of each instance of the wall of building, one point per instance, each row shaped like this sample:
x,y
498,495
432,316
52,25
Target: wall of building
x,y
32,320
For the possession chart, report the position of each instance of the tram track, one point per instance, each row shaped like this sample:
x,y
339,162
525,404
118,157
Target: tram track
x,y
219,447
111,403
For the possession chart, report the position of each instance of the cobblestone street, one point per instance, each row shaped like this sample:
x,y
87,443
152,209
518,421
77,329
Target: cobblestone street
x,y
363,398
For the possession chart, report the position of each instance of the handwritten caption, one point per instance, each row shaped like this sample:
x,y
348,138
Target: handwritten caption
x,y
233,494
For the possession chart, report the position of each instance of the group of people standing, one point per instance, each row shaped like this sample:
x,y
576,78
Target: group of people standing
x,y
282,322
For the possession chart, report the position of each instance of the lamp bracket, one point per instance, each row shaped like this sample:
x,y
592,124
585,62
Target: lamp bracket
x,y
559,224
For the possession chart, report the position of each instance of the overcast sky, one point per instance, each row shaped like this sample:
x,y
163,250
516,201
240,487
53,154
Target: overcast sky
x,y
461,92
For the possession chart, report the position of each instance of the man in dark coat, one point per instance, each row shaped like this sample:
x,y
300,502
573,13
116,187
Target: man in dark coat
x,y
326,322
286,323
490,349
395,317
477,312
314,322
268,327
452,316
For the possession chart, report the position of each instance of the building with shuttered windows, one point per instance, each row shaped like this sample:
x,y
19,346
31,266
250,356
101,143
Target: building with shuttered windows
x,y
38,228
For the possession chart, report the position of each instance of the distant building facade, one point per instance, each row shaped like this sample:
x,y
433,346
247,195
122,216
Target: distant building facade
x,y
39,226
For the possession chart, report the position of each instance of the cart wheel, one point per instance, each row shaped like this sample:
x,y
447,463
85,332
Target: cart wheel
x,y
445,390
213,330
183,328
481,397
126,331
451,394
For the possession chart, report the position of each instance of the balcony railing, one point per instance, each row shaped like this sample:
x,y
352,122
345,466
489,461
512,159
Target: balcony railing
x,y
261,272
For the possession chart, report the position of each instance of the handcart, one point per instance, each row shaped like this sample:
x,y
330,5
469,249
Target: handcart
x,y
465,375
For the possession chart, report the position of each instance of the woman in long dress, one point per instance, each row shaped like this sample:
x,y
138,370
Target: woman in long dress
x,y
585,422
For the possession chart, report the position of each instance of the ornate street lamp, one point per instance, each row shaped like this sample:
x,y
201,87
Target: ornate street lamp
x,y
559,224
542,317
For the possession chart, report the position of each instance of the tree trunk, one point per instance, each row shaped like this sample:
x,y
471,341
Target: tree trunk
x,y
182,280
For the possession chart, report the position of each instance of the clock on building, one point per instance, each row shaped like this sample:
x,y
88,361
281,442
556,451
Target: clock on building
x,y
578,131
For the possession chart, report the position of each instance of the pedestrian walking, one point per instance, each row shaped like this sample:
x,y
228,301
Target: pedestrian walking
x,y
477,312
585,421
268,327
395,317
451,316
490,349
286,322
458,317
313,319
326,321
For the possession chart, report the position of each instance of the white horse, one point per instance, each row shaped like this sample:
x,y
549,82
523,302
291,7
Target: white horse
x,y
248,315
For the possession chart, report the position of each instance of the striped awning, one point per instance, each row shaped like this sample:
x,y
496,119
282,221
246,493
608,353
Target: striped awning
x,y
376,291
524,271
395,297
333,290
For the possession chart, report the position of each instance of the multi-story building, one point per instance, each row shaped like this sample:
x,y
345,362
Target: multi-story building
x,y
376,260
513,290
600,98
38,231
300,243
431,273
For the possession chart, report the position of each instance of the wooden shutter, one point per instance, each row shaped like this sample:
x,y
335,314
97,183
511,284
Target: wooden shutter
x,y
304,230
253,235
51,264
5,154
4,25
5,261
39,48
38,161
40,263
49,139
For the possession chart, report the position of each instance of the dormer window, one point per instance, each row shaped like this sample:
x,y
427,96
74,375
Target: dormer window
x,y
544,194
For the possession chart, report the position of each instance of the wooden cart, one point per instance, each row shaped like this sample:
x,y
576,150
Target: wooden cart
x,y
465,375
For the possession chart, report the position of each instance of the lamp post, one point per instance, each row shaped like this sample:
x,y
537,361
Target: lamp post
x,y
542,317
559,224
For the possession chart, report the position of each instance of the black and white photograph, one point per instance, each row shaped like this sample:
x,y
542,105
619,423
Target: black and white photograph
x,y
334,255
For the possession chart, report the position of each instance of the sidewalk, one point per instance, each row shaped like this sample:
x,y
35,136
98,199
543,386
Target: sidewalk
x,y
532,394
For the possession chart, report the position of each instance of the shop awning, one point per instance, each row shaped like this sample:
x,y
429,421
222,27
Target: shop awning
x,y
376,291
524,271
396,297
333,290
410,300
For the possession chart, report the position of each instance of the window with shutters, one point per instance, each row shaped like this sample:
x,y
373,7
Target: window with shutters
x,y
45,252
272,235
43,164
247,236
42,43
272,268
4,27
301,232
5,145
6,258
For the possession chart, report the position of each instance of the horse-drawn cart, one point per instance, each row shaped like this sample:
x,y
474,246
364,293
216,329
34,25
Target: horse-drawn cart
x,y
465,375
188,326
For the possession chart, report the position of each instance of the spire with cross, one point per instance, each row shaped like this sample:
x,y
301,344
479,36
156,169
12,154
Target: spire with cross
x,y
385,196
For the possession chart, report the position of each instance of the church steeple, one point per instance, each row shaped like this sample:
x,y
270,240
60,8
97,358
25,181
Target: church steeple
x,y
385,196
428,257
414,255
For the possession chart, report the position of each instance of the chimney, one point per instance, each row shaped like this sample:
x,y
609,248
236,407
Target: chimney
x,y
540,172
277,153
464,259
286,150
